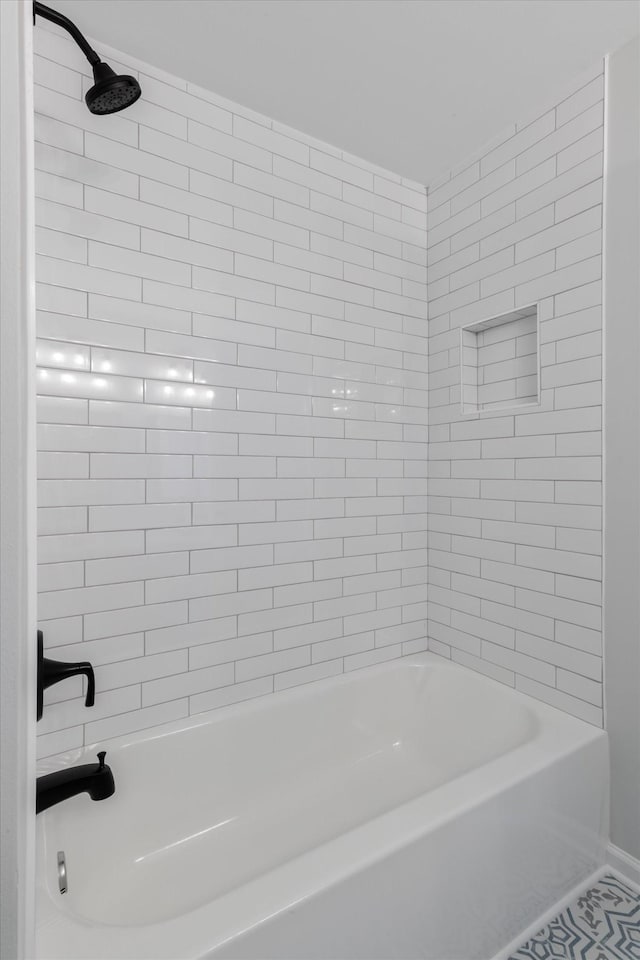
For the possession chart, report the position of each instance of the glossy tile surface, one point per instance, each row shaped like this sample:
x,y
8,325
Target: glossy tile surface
x,y
515,428
232,367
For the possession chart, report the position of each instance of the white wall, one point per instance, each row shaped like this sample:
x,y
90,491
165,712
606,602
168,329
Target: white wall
x,y
622,443
17,486
515,551
232,379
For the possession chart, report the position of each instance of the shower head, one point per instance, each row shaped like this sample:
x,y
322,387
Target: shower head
x,y
110,92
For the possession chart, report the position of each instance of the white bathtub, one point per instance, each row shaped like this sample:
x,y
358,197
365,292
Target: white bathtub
x,y
414,809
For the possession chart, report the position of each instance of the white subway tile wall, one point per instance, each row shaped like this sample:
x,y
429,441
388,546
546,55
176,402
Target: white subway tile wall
x,y
232,374
515,517
232,369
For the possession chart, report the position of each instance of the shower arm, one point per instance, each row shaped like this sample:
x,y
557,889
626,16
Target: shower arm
x,y
41,10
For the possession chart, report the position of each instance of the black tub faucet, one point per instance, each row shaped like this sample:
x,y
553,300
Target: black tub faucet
x,y
96,779
52,671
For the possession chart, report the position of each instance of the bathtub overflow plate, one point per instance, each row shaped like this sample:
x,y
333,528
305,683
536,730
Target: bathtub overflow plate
x,y
62,872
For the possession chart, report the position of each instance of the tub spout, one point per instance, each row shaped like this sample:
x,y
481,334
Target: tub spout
x,y
96,779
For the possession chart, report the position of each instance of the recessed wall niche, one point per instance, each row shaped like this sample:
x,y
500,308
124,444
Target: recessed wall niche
x,y
500,362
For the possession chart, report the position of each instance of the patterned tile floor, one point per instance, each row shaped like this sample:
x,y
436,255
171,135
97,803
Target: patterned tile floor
x,y
603,923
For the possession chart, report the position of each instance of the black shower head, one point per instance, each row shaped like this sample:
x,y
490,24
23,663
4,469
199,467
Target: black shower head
x,y
110,92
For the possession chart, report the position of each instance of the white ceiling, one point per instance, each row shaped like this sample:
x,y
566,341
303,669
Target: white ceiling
x,y
413,85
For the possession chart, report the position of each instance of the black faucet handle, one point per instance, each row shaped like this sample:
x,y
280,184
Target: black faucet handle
x,y
102,754
86,669
56,670
52,671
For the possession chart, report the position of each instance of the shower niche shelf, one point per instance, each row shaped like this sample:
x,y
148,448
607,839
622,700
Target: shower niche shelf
x,y
500,362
